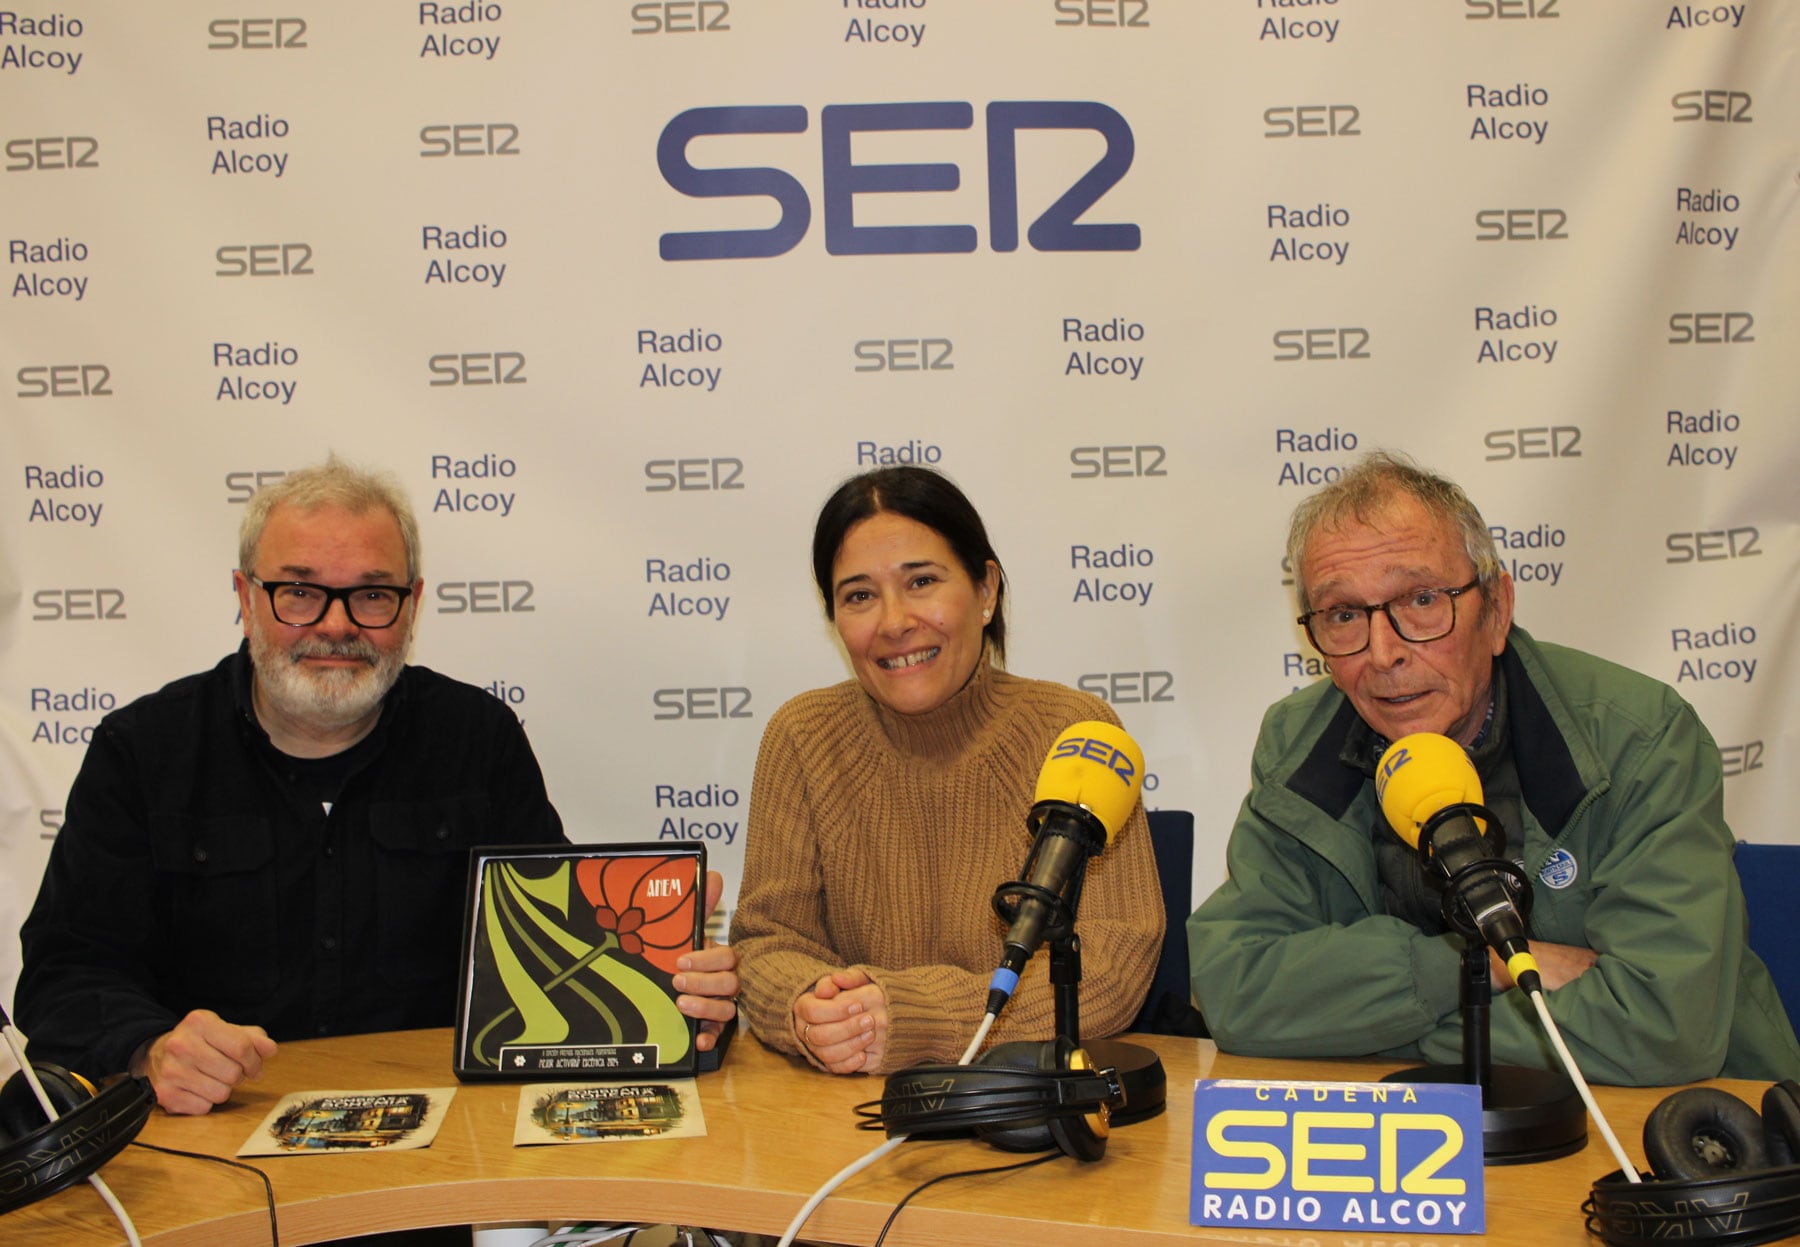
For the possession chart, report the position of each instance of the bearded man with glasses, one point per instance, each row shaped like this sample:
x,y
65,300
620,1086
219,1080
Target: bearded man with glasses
x,y
1328,939
278,848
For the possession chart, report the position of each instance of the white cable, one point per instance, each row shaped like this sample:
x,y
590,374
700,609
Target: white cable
x,y
981,1034
836,1180
18,1055
43,1098
857,1166
1587,1097
118,1210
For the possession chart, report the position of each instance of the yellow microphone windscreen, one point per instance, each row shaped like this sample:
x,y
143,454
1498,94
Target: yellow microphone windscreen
x,y
1095,765
1420,775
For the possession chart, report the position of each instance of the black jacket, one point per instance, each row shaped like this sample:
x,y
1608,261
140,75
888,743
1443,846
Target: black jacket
x,y
195,870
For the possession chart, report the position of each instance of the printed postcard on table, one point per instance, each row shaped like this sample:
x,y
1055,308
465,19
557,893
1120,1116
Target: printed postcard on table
x,y
313,1122
608,1112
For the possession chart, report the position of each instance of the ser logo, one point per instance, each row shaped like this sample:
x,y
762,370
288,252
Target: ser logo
x,y
256,33
478,368
1741,759
1391,764
241,486
1059,228
693,474
1558,441
904,355
1716,105
1124,13
1509,10
73,152
265,259
1311,344
675,17
1093,749
1710,328
1713,546
1129,688
1521,225
65,381
484,597
472,138
1312,121
1430,1142
1093,461
702,703
57,605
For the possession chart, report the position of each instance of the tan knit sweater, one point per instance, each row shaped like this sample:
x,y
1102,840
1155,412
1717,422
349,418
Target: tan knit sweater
x,y
876,841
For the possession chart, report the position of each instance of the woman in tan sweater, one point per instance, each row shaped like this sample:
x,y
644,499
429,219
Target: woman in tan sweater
x,y
887,809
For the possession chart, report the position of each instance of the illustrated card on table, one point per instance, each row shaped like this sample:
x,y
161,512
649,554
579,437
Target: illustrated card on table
x,y
608,1112
310,1123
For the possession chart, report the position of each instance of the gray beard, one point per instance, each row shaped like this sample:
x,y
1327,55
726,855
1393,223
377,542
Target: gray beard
x,y
324,699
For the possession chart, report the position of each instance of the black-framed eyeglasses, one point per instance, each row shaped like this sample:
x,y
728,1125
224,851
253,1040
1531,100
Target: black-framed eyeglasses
x,y
300,604
1419,616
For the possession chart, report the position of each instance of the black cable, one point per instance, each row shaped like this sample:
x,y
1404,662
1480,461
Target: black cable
x,y
961,1173
268,1187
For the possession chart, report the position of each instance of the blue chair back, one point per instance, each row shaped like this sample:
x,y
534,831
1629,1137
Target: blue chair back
x,y
1771,877
1169,1008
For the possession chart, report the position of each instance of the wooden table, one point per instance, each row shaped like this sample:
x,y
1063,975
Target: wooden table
x,y
776,1130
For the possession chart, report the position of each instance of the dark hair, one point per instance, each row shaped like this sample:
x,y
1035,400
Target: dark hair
x,y
925,497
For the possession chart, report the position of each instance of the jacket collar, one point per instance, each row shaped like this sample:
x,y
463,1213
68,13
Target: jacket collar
x,y
1550,780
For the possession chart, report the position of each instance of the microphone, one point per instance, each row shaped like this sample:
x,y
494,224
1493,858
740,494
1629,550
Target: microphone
x,y
1086,790
1430,793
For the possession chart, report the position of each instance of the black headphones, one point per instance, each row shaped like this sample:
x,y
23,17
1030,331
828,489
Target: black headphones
x,y
40,1157
1021,1097
1720,1174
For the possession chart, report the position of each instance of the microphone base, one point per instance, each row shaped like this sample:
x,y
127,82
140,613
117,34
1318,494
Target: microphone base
x,y
1527,1115
1140,1073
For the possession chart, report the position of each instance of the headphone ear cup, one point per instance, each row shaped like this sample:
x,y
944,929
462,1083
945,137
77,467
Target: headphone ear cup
x,y
1704,1133
1082,1135
1031,1057
20,1112
42,1157
1020,1097
1781,1122
1025,1054
1076,1137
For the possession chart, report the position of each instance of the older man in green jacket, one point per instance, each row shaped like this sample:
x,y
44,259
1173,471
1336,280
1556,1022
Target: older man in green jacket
x,y
1327,939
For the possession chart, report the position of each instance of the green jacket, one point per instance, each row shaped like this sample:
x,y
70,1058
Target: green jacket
x,y
1293,956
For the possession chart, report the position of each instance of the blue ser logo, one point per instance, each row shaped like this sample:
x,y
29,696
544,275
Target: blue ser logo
x,y
1093,749
1058,229
1394,761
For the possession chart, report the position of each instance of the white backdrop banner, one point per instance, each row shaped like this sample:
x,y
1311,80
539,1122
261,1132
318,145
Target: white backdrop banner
x,y
622,289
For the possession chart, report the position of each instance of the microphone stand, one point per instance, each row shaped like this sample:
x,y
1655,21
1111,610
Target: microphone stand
x,y
1475,995
1527,1115
1140,1069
